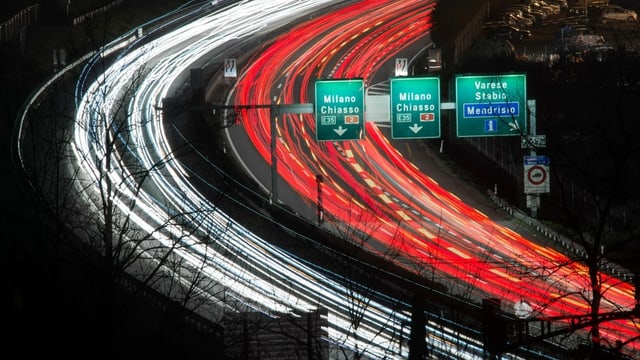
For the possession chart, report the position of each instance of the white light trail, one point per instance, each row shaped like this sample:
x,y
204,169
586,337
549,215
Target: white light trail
x,y
254,271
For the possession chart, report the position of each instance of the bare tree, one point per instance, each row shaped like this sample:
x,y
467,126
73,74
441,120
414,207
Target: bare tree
x,y
101,263
585,107
597,172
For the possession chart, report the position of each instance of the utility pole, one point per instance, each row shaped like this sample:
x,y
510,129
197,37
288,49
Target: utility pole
x,y
533,199
319,181
275,110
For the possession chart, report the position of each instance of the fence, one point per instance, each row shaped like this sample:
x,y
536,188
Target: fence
x,y
14,26
93,13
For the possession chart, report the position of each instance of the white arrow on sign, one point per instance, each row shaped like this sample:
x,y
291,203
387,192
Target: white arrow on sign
x,y
415,128
340,130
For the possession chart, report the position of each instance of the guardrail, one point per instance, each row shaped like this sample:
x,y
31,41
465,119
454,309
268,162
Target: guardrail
x,y
556,237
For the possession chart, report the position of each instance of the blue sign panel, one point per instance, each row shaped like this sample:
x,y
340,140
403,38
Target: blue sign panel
x,y
482,110
536,160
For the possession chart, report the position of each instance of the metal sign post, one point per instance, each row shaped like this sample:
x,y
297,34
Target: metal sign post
x,y
275,110
536,167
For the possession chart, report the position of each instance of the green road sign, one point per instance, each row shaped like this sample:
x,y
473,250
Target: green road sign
x,y
491,105
339,109
415,108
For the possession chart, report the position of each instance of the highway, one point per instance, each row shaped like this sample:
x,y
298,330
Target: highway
x,y
110,152
369,185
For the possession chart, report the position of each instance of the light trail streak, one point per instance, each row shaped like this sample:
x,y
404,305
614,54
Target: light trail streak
x,y
258,274
285,283
378,166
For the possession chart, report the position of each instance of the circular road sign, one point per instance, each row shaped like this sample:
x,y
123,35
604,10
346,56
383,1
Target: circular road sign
x,y
537,175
